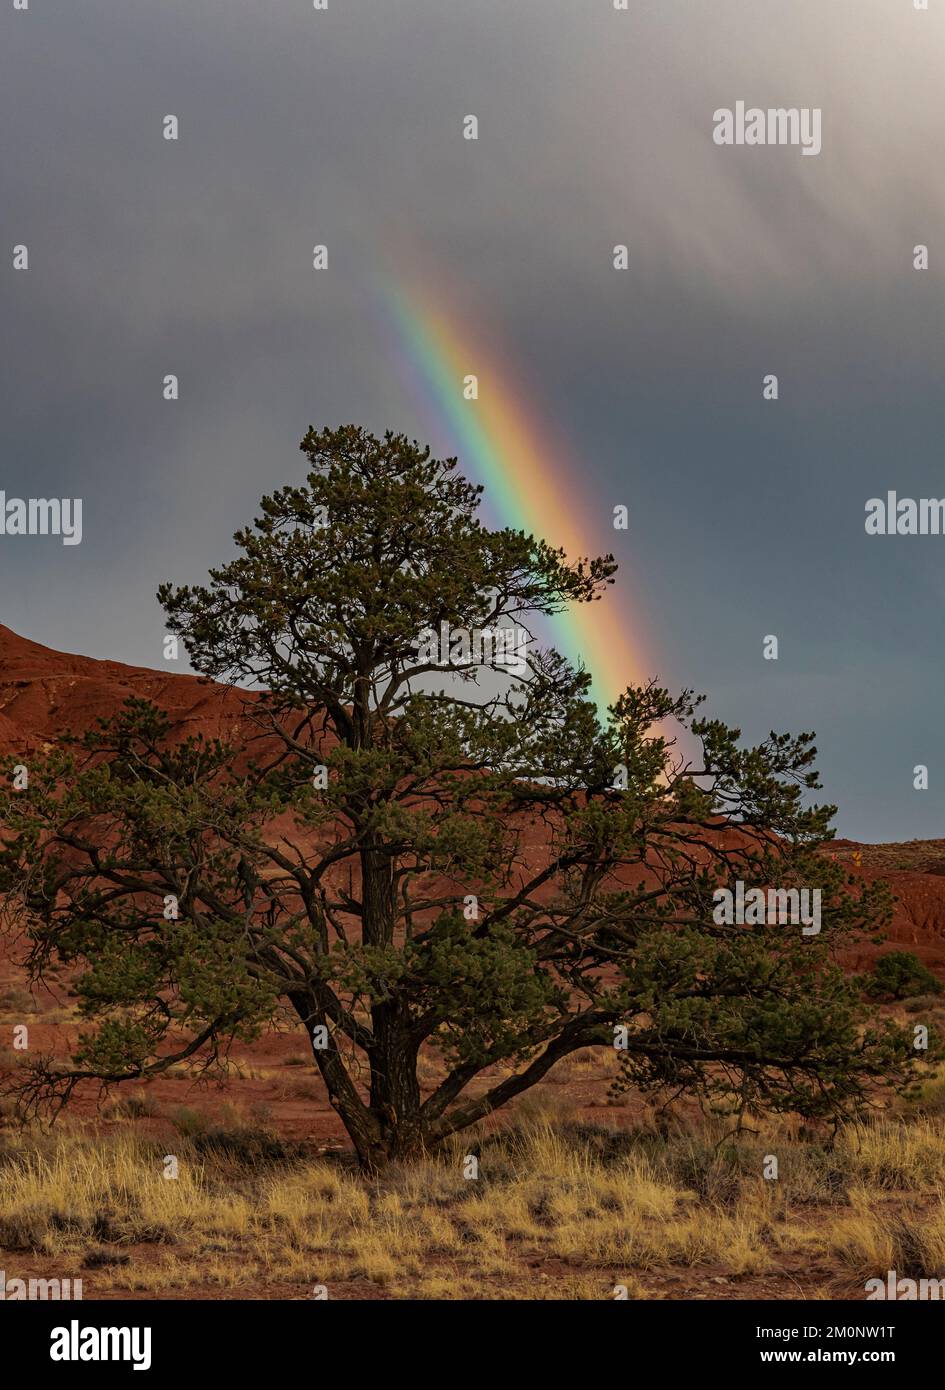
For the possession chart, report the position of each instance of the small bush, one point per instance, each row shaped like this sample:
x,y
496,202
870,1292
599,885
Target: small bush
x,y
101,1258
189,1122
246,1146
135,1106
18,1001
899,975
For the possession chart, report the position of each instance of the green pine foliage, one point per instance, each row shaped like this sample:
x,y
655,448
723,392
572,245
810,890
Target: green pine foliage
x,y
410,862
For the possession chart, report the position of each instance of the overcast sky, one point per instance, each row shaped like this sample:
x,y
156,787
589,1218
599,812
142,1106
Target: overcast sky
x,y
344,127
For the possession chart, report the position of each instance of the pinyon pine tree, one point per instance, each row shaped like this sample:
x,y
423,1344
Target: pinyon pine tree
x,y
408,860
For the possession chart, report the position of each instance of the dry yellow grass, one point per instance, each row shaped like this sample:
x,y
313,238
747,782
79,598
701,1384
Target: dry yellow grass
x,y
557,1211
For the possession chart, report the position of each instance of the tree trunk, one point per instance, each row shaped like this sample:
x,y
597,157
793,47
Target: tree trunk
x,y
381,1140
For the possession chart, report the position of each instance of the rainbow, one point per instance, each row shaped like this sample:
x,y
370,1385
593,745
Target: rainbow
x,y
529,483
